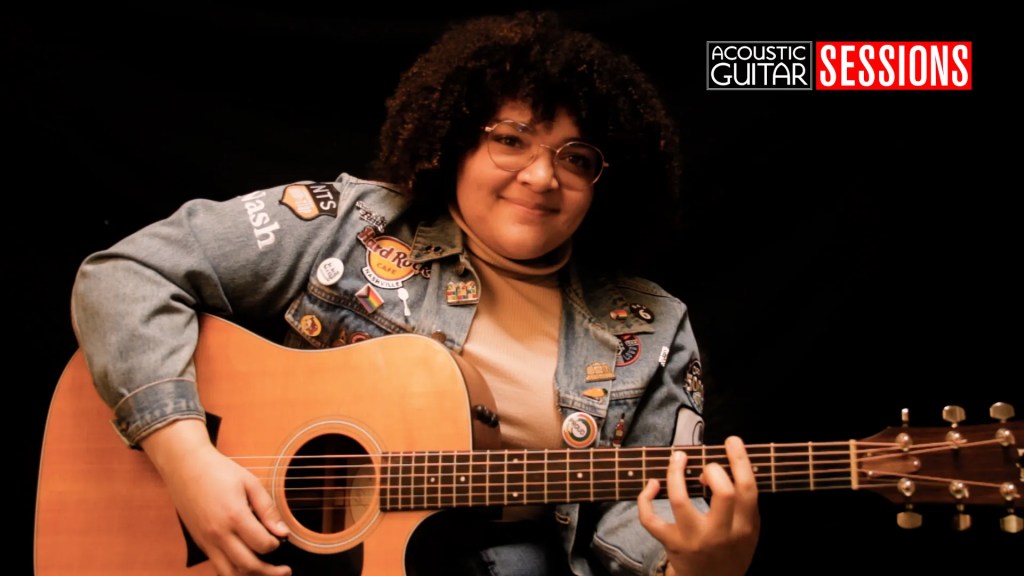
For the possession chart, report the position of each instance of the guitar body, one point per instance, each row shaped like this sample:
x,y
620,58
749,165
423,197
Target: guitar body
x,y
102,509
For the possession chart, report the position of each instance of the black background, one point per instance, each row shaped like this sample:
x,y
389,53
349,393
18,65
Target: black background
x,y
844,255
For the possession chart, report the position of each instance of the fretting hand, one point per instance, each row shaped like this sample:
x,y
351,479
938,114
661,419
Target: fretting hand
x,y
723,540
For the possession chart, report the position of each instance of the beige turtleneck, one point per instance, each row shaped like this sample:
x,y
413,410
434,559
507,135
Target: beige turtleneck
x,y
513,341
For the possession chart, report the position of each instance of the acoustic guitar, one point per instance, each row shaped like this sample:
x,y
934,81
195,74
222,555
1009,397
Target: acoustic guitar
x,y
359,445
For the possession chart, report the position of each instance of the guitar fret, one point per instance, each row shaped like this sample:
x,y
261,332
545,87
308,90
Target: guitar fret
x,y
629,471
405,499
496,478
772,452
433,478
385,481
445,480
516,478
463,494
579,476
617,493
478,479
604,480
854,480
557,485
810,464
535,484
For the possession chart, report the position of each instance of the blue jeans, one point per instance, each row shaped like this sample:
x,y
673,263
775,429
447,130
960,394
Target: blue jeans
x,y
452,546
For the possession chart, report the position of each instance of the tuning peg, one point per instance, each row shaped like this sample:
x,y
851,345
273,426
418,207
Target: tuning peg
x,y
1001,411
908,519
954,415
1011,522
961,520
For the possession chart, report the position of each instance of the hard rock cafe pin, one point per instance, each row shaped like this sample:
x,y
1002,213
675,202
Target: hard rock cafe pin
x,y
579,430
459,293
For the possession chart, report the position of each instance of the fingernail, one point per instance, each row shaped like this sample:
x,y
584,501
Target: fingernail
x,y
677,456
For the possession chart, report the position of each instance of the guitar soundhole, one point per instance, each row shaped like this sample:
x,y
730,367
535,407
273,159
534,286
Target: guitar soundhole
x,y
329,483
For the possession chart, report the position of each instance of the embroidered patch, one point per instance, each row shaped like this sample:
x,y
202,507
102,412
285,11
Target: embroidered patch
x,y
579,430
369,298
595,393
388,260
629,349
358,336
308,201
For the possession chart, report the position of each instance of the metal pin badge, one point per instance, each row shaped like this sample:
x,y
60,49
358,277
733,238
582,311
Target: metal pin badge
x,y
403,295
579,430
329,271
310,325
463,292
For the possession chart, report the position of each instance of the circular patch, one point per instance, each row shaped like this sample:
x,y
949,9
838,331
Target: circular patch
x,y
642,312
629,349
310,325
579,430
358,337
329,271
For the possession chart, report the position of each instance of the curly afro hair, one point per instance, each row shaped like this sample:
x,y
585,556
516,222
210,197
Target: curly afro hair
x,y
436,113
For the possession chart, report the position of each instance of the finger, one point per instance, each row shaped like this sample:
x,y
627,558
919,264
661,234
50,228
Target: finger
x,y
745,481
683,509
723,498
649,519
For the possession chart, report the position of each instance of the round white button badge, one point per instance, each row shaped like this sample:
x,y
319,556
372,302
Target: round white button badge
x,y
330,271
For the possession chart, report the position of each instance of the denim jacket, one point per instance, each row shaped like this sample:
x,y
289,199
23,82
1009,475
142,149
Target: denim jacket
x,y
341,262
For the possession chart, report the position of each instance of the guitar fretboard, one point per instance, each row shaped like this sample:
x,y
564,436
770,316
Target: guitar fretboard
x,y
438,480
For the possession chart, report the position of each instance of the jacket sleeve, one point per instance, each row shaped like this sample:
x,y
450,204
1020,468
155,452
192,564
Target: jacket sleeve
x,y
134,305
669,415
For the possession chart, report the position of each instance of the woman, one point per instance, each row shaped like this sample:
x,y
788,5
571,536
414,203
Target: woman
x,y
493,225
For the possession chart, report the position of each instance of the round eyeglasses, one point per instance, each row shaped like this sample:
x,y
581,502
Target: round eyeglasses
x,y
513,146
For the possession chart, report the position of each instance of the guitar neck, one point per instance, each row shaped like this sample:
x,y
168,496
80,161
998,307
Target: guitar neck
x,y
437,480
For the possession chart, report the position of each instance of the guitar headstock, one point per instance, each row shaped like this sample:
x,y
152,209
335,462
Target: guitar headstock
x,y
959,465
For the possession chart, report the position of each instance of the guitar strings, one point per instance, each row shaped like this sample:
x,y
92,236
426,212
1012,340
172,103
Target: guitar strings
x,y
823,469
